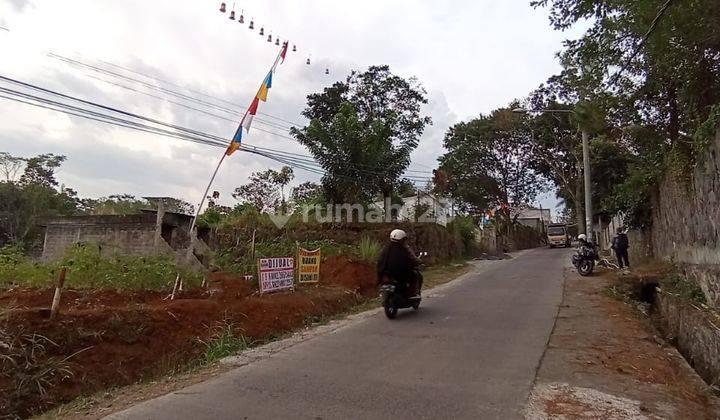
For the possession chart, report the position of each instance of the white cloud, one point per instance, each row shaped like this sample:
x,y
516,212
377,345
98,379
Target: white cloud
x,y
472,56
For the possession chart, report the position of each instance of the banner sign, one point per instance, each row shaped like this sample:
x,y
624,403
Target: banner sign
x,y
309,266
276,274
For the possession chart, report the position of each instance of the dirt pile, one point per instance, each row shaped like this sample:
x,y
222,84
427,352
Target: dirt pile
x,y
107,339
357,276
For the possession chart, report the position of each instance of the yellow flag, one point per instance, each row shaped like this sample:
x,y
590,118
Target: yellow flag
x,y
263,92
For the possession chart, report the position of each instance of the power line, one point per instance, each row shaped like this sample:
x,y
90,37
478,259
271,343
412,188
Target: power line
x,y
130,88
94,68
78,63
182,133
193,91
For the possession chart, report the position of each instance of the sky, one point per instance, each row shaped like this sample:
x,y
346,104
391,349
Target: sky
x,y
471,56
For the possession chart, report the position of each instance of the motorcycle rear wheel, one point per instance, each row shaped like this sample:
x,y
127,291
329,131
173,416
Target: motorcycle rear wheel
x,y
585,268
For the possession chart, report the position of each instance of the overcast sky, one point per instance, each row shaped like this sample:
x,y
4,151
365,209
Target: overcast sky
x,y
471,55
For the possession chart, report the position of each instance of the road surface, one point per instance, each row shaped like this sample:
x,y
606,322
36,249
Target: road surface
x,y
471,352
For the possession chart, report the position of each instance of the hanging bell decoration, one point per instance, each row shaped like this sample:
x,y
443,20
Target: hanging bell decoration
x,y
232,15
242,18
252,24
222,7
308,61
327,71
270,38
294,48
277,41
262,31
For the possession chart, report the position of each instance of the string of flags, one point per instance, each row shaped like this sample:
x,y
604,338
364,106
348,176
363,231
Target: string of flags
x,y
251,26
262,95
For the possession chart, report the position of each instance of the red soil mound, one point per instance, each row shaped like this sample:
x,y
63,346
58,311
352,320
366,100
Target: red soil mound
x,y
357,276
123,338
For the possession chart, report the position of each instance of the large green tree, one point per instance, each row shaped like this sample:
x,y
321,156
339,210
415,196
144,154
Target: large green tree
x,y
36,196
362,131
653,67
487,162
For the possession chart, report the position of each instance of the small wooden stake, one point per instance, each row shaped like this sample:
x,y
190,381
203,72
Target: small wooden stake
x,y
252,248
55,308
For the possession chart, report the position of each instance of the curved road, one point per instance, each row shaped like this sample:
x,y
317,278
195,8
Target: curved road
x,y
471,352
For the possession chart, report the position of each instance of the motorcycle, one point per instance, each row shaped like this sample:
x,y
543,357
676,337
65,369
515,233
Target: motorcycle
x,y
395,295
584,259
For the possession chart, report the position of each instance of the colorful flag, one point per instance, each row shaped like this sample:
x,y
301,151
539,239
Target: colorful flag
x,y
267,84
247,121
236,142
254,106
262,95
284,52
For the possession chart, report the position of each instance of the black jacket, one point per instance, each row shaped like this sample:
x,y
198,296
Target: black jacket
x,y
396,261
620,242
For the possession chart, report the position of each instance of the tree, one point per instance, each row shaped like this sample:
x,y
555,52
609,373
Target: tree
x,y
34,197
669,86
283,178
116,204
362,132
306,193
40,170
265,189
487,162
10,166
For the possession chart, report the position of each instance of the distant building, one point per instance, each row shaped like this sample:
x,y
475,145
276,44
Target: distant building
x,y
533,217
137,234
432,209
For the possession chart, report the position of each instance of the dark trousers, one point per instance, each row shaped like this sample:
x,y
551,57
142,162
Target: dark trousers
x,y
622,258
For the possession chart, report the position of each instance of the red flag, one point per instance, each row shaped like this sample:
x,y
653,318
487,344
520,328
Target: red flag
x,y
283,52
254,106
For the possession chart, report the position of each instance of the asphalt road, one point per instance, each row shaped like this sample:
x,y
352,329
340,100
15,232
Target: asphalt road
x,y
472,352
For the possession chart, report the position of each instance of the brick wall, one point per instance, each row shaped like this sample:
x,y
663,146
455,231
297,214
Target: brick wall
x,y
128,234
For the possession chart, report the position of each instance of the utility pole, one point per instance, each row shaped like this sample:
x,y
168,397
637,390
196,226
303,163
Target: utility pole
x,y
586,165
588,186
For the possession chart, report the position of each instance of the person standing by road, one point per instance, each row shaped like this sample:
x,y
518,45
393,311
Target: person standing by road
x,y
620,245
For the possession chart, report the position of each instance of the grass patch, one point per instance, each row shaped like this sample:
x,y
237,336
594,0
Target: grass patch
x,y
684,288
223,343
368,250
90,269
27,370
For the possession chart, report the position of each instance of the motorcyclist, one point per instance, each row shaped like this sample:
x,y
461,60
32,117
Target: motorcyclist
x,y
583,242
398,261
582,239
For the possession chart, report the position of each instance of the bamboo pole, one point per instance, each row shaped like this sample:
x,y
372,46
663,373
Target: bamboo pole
x,y
55,308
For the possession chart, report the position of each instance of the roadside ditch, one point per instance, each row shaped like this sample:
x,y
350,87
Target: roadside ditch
x,y
677,308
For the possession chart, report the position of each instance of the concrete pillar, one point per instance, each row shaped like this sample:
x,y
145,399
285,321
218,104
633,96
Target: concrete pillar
x,y
158,224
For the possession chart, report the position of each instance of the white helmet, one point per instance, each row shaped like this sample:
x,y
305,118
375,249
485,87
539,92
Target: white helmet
x,y
582,237
397,235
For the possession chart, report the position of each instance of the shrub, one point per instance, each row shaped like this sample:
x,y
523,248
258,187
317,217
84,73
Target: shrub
x,y
686,289
463,229
223,343
88,268
368,250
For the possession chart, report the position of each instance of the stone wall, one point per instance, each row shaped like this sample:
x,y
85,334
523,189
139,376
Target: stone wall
x,y
686,223
695,332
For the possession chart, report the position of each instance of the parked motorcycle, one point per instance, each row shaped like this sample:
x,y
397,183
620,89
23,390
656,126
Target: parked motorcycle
x,y
584,259
396,295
